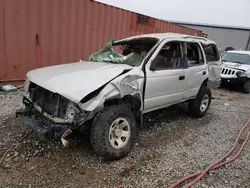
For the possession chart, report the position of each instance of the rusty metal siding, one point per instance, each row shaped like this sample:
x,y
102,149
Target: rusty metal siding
x,y
2,42
68,31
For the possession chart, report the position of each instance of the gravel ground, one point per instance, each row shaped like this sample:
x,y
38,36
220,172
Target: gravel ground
x,y
173,145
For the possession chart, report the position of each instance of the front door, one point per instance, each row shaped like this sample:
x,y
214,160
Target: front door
x,y
165,77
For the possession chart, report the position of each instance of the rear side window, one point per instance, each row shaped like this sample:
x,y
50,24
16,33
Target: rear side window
x,y
211,52
194,54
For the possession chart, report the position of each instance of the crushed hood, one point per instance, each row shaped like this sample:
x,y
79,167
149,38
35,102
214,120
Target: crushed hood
x,y
239,66
76,80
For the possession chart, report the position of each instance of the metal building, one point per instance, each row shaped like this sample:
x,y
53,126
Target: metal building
x,y
67,30
238,38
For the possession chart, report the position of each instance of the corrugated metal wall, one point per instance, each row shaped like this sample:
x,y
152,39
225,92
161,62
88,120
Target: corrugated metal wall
x,y
68,30
225,37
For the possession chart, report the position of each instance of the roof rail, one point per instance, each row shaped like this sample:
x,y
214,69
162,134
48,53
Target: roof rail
x,y
195,38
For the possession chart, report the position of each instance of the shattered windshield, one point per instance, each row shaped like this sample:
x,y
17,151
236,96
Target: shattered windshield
x,y
130,52
236,58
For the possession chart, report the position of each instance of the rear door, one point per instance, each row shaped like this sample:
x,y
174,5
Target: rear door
x,y
197,70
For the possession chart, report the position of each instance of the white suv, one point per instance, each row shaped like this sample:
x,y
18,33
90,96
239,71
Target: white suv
x,y
109,94
236,68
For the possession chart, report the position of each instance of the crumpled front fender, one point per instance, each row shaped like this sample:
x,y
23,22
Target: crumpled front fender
x,y
124,85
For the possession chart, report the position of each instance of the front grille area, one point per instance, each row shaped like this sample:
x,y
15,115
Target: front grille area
x,y
50,102
47,101
230,72
227,71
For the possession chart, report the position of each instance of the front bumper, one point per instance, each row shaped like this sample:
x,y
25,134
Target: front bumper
x,y
238,80
44,128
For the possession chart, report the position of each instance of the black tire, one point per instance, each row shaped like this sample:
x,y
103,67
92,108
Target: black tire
x,y
246,86
99,134
194,106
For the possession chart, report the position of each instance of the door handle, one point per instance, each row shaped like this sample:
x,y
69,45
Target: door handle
x,y
204,72
181,77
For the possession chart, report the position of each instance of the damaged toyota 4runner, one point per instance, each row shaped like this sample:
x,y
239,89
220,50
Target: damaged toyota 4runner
x,y
109,94
236,69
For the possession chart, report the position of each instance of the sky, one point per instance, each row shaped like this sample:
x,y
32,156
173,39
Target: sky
x,y
234,13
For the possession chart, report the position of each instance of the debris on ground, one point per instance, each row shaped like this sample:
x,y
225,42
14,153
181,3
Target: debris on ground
x,y
172,146
8,88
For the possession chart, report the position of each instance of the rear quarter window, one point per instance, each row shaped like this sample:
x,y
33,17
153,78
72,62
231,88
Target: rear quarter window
x,y
211,52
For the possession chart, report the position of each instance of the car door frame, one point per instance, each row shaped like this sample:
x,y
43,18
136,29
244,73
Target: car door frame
x,y
214,65
178,71
196,74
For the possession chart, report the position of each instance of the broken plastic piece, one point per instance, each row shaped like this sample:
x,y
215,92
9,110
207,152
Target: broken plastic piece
x,y
63,137
8,88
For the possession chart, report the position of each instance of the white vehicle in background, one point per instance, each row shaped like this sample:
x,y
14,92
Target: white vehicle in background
x,y
109,94
221,51
236,68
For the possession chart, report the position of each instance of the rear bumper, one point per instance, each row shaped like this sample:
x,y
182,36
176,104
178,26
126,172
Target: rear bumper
x,y
43,129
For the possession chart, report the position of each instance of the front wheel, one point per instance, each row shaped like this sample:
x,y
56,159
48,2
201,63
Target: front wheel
x,y
198,107
113,132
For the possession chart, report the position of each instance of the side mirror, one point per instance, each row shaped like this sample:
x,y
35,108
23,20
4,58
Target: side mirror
x,y
154,62
152,66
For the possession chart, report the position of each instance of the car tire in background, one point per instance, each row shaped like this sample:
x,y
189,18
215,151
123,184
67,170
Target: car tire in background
x,y
198,107
113,132
246,86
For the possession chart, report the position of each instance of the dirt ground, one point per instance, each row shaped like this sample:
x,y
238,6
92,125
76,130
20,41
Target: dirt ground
x,y
173,145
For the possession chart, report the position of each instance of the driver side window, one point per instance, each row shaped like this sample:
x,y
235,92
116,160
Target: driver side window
x,y
169,57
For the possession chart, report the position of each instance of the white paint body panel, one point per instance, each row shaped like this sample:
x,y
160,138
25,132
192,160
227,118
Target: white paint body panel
x,y
163,88
234,68
195,78
239,66
74,81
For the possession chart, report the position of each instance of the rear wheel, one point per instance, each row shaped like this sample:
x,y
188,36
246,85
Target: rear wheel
x,y
198,107
113,132
246,86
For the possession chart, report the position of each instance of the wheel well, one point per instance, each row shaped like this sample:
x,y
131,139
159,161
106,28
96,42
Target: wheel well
x,y
204,82
131,102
